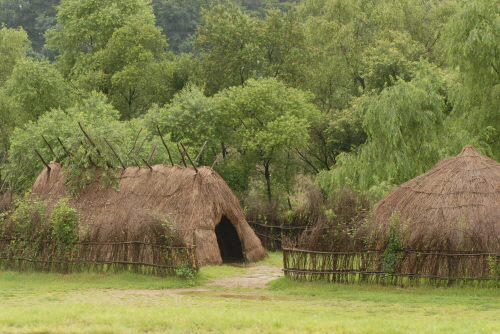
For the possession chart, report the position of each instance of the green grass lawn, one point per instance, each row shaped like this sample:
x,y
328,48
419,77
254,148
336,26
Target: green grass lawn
x,y
130,303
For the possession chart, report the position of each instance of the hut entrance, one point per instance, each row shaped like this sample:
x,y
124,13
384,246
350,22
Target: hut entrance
x,y
229,241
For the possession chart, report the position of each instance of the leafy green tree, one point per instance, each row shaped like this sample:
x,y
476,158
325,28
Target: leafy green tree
x,y
261,7
99,119
115,48
349,43
10,117
13,46
473,50
229,43
390,59
264,121
330,135
132,69
84,27
179,20
282,43
354,47
236,46
190,118
37,87
34,16
336,37
404,124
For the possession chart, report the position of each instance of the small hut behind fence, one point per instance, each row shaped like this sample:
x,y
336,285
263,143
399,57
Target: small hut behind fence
x,y
443,225
157,205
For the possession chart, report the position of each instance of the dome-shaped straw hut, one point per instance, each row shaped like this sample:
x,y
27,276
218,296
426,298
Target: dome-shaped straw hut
x,y
443,224
196,205
454,207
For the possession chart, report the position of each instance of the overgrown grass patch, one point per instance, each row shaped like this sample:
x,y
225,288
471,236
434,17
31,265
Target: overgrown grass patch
x,y
43,282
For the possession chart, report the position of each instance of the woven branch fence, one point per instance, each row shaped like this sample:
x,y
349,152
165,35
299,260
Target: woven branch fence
x,y
409,267
134,256
272,236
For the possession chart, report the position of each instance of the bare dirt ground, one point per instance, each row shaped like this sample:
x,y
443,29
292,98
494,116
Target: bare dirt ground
x,y
255,277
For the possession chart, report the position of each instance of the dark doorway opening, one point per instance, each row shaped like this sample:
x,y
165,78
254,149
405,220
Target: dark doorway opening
x,y
229,241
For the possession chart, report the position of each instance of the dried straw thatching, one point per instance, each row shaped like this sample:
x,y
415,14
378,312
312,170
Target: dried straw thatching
x,y
199,207
454,207
334,231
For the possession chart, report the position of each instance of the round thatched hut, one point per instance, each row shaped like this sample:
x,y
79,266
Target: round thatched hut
x,y
454,207
197,206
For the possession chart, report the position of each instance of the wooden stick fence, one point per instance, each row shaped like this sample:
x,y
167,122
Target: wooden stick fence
x,y
411,267
135,256
272,236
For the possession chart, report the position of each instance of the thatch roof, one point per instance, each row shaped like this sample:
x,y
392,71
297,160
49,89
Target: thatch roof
x,y
455,206
191,203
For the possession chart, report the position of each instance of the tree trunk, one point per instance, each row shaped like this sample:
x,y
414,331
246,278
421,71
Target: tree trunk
x,y
267,175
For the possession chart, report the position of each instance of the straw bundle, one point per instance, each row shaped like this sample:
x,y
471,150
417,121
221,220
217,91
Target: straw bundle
x,y
454,207
164,198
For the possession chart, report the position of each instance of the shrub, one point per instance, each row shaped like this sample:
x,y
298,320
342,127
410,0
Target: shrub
x,y
334,222
28,219
64,223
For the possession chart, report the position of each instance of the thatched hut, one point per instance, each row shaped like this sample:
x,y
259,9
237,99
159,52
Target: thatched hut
x,y
197,206
454,207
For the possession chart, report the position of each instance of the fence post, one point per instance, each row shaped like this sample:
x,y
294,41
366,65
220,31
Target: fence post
x,y
194,257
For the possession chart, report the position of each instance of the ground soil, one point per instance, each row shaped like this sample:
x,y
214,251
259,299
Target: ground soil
x,y
255,277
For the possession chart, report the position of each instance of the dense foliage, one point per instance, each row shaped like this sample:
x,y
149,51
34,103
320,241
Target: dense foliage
x,y
363,94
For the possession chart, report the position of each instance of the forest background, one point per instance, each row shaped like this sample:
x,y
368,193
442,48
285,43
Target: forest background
x,y
332,94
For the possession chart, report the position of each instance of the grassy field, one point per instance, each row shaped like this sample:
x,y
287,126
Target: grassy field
x,y
129,303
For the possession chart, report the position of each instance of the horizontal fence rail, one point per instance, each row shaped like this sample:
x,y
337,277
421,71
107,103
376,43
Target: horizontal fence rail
x,y
271,235
134,256
409,267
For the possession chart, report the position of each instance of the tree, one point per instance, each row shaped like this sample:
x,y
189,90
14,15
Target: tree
x,y
473,50
336,37
390,59
34,16
9,119
179,20
283,43
264,121
84,27
352,48
260,7
37,87
229,43
404,125
132,69
13,46
115,48
190,118
236,46
330,135
98,118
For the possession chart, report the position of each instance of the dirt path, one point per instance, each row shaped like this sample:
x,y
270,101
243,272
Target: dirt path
x,y
255,277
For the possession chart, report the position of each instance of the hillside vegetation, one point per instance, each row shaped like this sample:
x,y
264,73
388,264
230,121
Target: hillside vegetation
x,y
358,94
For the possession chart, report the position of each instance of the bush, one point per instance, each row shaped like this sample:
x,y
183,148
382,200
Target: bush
x,y
335,222
28,219
64,223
